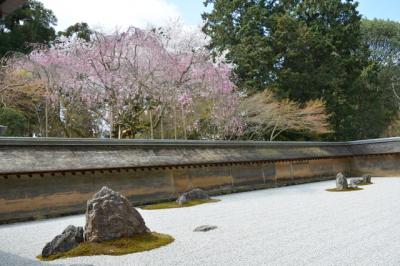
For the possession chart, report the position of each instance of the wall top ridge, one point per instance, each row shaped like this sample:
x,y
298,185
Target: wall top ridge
x,y
13,141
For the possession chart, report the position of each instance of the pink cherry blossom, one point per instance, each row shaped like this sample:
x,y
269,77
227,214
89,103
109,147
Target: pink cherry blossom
x,y
112,70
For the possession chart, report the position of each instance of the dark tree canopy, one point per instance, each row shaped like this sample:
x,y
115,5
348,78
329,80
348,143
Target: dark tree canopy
x,y
303,50
383,40
31,23
14,120
81,30
286,42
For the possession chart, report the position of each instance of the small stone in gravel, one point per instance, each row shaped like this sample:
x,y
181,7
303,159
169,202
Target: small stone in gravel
x,y
205,228
68,239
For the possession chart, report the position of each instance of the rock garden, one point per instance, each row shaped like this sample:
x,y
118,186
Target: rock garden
x,y
193,197
113,227
343,184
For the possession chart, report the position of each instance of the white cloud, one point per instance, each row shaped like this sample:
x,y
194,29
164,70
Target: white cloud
x,y
109,15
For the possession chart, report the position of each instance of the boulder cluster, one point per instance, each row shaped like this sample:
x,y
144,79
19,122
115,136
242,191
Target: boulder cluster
x,y
109,215
342,184
194,194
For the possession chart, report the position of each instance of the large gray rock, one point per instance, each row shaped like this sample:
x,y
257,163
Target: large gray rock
x,y
364,180
367,179
68,239
356,181
193,194
352,185
341,182
109,215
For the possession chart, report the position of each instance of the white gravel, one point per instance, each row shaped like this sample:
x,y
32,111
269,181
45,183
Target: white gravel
x,y
296,225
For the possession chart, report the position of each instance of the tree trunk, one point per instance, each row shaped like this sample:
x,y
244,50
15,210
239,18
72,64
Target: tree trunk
x,y
271,137
175,126
111,123
47,113
162,124
184,123
151,125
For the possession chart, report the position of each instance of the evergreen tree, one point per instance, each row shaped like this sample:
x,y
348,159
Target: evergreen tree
x,y
15,121
383,40
29,24
301,49
81,30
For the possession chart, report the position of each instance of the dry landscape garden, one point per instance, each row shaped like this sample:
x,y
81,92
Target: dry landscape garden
x,y
268,134
295,225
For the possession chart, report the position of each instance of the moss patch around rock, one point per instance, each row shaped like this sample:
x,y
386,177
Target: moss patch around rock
x,y
116,247
346,190
365,184
174,204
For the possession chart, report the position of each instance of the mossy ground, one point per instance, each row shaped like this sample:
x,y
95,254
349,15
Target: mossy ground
x,y
346,190
366,184
174,204
116,247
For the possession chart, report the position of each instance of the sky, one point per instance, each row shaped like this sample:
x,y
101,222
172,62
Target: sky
x,y
108,15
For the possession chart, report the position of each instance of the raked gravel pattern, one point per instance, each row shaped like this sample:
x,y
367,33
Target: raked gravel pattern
x,y
296,225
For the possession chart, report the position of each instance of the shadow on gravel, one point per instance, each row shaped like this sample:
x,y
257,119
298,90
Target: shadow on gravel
x,y
10,259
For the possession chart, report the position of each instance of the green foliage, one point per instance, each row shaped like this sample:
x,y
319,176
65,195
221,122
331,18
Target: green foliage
x,y
303,50
373,110
81,30
122,246
14,120
29,24
286,43
174,204
243,28
383,39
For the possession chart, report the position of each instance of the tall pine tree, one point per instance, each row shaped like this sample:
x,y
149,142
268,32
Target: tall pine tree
x,y
303,50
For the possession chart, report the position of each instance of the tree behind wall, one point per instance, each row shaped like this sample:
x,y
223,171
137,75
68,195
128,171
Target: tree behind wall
x,y
14,120
80,30
134,82
301,49
383,40
31,23
266,118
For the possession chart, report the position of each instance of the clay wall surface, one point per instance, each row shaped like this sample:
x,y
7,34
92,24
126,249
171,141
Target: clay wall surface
x,y
50,177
